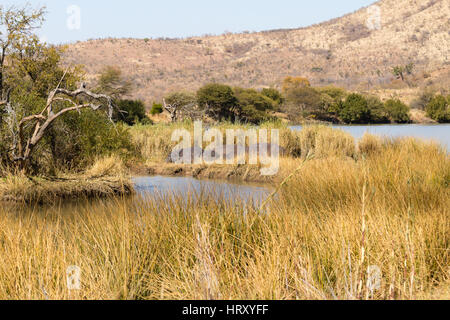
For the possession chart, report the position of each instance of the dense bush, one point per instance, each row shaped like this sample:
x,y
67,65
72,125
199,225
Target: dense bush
x,y
253,106
355,109
157,108
378,112
79,138
273,94
398,111
131,112
438,109
302,102
218,100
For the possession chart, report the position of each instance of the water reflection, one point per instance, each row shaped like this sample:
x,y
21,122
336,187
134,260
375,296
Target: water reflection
x,y
196,190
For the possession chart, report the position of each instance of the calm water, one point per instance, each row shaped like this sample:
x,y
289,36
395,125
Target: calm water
x,y
438,132
197,189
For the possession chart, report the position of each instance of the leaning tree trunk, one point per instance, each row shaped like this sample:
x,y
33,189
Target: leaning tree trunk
x,y
23,147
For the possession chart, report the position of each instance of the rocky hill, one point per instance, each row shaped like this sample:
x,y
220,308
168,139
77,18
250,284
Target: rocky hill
x,y
353,51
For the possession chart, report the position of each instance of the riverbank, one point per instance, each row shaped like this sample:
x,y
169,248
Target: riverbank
x,y
47,190
384,208
106,178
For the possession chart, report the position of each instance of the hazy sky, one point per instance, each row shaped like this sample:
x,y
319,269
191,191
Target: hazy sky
x,y
179,18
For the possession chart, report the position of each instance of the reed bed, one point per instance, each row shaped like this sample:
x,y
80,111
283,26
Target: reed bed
x,y
337,218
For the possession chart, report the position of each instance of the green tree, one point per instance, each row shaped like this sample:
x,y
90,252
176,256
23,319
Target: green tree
x,y
400,71
32,75
131,112
378,112
17,26
438,109
398,111
305,102
273,94
355,109
218,101
253,106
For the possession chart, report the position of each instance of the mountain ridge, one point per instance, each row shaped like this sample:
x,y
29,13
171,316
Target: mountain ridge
x,y
343,51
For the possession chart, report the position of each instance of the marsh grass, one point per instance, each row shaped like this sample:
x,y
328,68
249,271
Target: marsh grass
x,y
107,177
337,217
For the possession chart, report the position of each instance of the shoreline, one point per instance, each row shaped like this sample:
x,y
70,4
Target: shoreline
x,y
34,190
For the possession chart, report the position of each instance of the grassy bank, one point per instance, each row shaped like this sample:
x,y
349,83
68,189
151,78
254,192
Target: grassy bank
x,y
385,206
105,178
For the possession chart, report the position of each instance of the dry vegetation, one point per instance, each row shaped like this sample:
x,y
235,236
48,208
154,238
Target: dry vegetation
x,y
342,51
387,205
105,178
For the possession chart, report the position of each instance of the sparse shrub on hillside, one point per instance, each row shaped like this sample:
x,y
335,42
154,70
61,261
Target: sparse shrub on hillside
x,y
438,109
401,71
398,111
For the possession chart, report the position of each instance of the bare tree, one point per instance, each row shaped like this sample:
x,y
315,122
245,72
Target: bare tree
x,y
23,145
177,102
172,109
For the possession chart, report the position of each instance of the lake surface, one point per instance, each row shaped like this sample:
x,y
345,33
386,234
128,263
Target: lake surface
x,y
194,189
438,132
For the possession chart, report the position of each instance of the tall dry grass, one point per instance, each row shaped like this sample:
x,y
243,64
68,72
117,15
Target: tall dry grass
x,y
315,240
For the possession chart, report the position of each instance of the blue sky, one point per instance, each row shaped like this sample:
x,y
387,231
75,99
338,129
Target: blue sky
x,y
180,18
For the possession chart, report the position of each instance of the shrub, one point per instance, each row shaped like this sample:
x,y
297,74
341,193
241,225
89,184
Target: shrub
x,y
131,112
78,139
378,112
355,109
253,106
398,111
438,109
218,100
273,94
156,109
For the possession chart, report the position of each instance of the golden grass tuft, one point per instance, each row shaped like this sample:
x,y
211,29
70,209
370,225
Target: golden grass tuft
x,y
108,166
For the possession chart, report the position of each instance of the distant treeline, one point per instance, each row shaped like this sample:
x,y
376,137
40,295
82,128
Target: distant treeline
x,y
300,102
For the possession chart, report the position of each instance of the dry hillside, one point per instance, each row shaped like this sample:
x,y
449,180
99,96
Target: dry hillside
x,y
343,51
